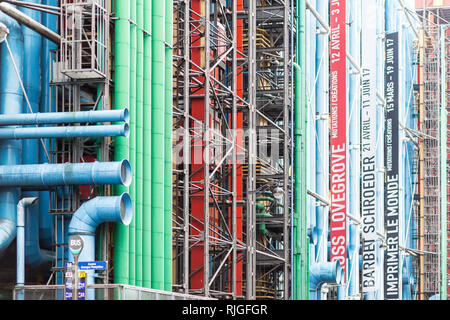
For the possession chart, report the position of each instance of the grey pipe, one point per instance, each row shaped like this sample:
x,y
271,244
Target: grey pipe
x,y
20,257
30,23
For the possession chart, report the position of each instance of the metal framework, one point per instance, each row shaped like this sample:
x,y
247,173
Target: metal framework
x,y
269,154
79,81
447,97
231,102
429,109
206,239
433,18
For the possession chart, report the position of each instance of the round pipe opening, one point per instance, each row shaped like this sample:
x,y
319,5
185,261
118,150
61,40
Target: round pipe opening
x,y
126,130
125,173
338,272
126,115
341,276
126,209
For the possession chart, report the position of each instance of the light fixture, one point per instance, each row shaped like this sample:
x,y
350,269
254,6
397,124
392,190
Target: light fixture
x,y
278,193
4,31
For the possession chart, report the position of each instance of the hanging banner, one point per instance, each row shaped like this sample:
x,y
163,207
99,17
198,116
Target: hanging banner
x,y
338,134
391,197
368,145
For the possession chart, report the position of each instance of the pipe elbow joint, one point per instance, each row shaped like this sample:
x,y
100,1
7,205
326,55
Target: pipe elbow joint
x,y
325,272
101,209
14,28
7,233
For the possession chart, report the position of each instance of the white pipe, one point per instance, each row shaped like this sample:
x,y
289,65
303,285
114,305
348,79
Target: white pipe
x,y
20,269
30,23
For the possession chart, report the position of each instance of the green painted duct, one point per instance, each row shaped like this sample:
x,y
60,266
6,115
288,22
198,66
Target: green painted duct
x,y
157,158
121,151
132,147
300,244
263,213
168,100
147,152
139,137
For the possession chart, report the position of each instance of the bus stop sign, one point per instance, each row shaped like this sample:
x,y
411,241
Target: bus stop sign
x,y
75,244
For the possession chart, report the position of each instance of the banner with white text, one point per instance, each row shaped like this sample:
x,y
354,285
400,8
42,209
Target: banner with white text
x,y
338,134
391,145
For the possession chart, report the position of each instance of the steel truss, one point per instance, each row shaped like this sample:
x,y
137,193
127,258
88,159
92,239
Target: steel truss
x,y
268,47
231,101
206,238
429,109
80,68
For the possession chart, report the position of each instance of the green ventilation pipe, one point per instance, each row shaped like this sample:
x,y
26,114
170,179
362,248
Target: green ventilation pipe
x,y
121,151
132,147
139,137
263,213
300,243
168,147
147,150
157,159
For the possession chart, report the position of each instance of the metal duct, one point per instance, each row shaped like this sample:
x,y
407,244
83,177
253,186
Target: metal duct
x,y
45,175
66,132
65,117
10,103
20,258
324,272
89,216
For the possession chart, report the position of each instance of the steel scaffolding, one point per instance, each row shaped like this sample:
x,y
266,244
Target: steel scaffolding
x,y
231,101
429,216
435,39
447,97
79,81
207,236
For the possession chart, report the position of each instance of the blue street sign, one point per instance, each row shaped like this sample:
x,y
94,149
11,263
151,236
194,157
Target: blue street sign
x,y
93,265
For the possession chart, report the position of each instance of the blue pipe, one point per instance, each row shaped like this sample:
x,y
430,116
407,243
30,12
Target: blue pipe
x,y
34,255
10,103
65,132
406,285
354,137
45,175
310,35
32,84
46,231
322,167
408,36
402,146
89,216
65,117
324,272
291,132
378,294
20,257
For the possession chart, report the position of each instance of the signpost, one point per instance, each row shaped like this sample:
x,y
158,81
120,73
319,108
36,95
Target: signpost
x,y
94,265
75,285
68,295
